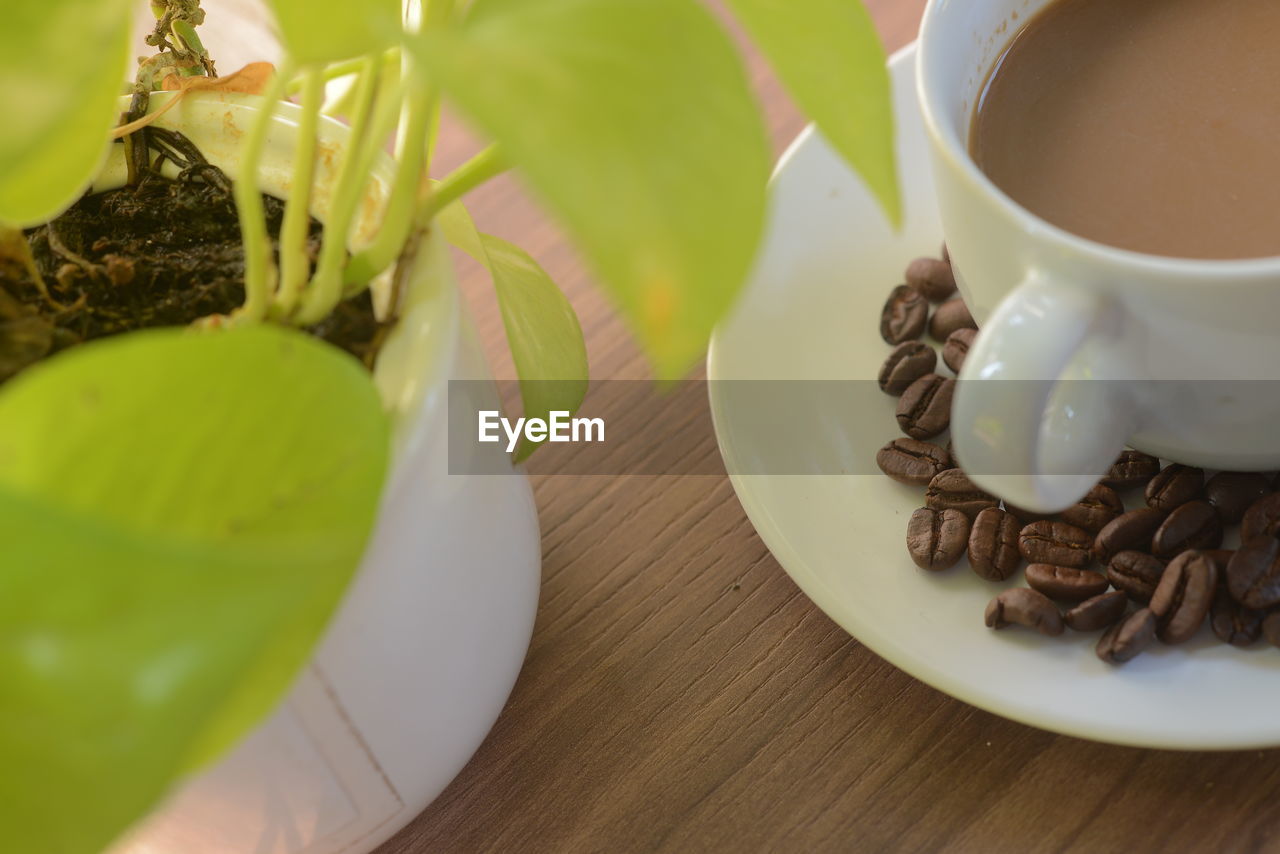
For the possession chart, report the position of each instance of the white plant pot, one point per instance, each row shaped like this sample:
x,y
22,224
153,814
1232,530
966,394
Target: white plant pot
x,y
425,648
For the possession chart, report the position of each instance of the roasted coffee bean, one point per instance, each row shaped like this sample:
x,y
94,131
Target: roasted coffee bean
x,y
1057,543
1025,607
948,317
1095,510
1131,530
952,489
993,544
937,538
1065,583
932,277
1124,640
1232,622
1026,517
1262,519
1253,575
957,347
1184,596
1271,628
904,316
1233,492
1135,573
1131,468
913,462
908,362
1194,525
924,410
1097,613
1173,486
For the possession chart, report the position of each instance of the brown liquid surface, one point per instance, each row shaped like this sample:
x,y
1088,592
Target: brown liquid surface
x,y
1152,125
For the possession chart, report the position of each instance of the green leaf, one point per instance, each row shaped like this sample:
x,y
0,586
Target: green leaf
x,y
179,514
542,328
329,32
62,63
634,123
827,54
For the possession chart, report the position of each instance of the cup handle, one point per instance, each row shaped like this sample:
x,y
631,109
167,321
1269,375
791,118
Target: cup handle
x,y
1005,402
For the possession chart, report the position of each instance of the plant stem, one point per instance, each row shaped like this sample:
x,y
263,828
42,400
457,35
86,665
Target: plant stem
x,y
325,289
259,269
485,165
294,263
398,217
338,69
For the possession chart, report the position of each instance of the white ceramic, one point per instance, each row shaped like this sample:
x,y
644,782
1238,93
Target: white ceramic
x,y
1174,341
810,314
425,648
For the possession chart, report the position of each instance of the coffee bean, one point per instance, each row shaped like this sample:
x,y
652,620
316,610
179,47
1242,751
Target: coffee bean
x,y
924,410
1232,622
952,489
913,462
1271,628
1024,607
957,347
1262,519
936,538
1173,486
1097,613
1135,573
1184,596
1253,575
1065,583
1132,530
904,316
1233,492
1194,525
993,545
1095,510
1026,517
1123,641
908,362
1057,543
948,317
1131,468
932,277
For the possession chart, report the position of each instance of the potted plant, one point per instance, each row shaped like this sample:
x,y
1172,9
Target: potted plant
x,y
191,474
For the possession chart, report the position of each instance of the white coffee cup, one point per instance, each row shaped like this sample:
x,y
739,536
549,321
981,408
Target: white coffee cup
x,y
1084,348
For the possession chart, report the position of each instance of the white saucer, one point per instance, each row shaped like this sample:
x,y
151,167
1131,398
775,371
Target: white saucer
x,y
811,314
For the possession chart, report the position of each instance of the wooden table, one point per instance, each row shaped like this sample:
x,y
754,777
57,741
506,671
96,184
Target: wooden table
x,y
681,694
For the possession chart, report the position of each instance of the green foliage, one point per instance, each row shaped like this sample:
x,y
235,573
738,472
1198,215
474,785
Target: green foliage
x,y
633,121
542,330
180,514
318,32
61,66
827,54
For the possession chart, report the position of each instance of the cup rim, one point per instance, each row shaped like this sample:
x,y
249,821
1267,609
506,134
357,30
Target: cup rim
x,y
948,143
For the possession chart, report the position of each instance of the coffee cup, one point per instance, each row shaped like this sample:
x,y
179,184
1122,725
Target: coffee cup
x,y
1084,348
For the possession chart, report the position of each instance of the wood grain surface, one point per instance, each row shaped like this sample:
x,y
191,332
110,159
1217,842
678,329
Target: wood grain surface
x,y
682,695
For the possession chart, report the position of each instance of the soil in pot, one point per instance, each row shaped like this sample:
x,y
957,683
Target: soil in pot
x,y
157,252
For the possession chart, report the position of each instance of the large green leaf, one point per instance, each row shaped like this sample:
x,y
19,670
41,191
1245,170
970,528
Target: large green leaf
x,y
61,67
327,32
543,333
827,54
633,121
179,515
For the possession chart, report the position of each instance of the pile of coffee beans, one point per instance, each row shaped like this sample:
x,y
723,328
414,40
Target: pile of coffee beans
x,y
1153,574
